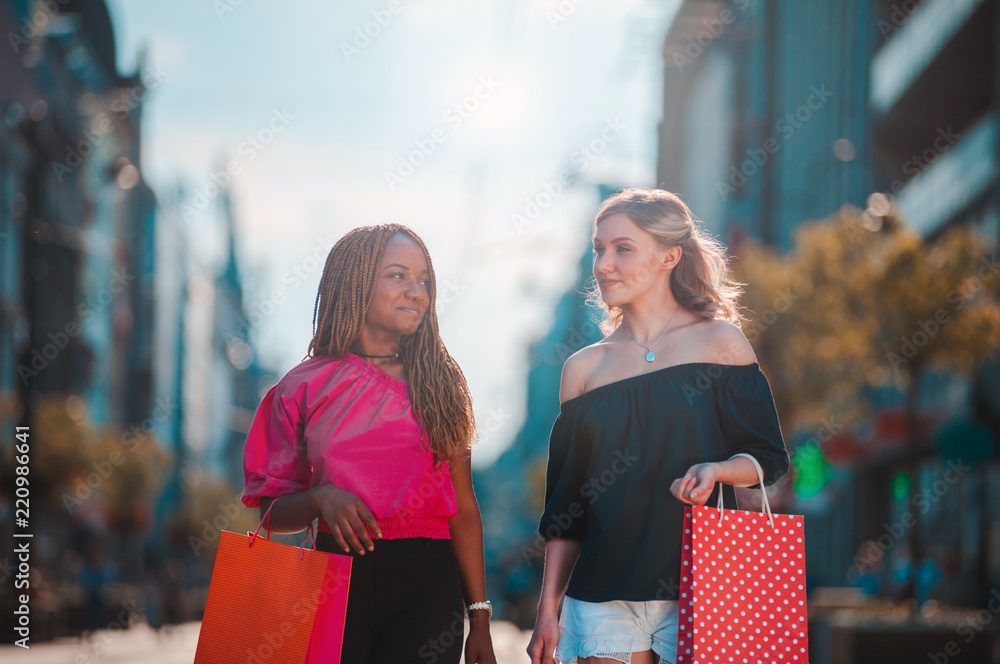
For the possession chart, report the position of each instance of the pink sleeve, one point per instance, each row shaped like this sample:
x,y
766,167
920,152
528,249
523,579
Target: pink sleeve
x,y
274,456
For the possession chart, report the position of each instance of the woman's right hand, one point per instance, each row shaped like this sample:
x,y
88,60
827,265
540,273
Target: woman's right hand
x,y
544,639
346,514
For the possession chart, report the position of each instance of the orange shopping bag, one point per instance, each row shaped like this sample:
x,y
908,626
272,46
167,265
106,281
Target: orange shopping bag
x,y
265,599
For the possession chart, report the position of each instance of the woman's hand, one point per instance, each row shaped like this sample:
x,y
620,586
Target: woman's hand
x,y
479,644
544,639
346,514
697,484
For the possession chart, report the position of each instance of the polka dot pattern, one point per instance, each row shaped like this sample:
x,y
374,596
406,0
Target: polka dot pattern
x,y
742,591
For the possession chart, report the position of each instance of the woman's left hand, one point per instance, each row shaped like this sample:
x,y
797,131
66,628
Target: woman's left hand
x,y
479,644
697,484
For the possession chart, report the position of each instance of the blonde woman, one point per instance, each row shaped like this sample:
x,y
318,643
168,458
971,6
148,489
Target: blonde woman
x,y
650,419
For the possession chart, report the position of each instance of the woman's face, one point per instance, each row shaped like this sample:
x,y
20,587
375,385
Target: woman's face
x,y
401,288
628,260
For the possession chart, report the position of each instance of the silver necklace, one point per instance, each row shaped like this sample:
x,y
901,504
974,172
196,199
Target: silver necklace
x,y
650,355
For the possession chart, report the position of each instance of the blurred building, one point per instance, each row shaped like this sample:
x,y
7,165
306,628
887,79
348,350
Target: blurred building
x,y
934,95
78,219
511,491
77,225
775,114
170,347
934,100
205,367
223,381
778,113
765,121
105,310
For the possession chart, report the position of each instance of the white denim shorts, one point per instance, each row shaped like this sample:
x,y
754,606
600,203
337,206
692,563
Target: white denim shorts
x,y
616,629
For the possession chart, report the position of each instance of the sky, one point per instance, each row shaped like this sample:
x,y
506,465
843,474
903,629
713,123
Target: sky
x,y
483,126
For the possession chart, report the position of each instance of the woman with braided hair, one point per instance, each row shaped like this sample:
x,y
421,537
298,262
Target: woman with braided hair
x,y
371,434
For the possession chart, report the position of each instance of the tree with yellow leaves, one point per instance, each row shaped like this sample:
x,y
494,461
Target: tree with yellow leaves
x,y
863,300
860,301
121,470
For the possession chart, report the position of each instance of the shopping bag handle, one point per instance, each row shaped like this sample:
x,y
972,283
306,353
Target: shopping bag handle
x,y
765,507
267,517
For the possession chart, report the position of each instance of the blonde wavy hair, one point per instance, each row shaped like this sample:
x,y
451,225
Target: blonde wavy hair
x,y
701,282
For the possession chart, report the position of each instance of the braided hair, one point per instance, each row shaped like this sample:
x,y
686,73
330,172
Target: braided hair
x,y
436,385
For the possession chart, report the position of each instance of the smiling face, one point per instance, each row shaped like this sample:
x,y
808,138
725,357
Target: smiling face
x,y
628,261
401,288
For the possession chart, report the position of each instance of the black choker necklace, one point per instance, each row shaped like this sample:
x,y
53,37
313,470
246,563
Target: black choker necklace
x,y
396,354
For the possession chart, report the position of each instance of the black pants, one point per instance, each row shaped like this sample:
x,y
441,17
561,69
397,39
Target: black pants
x,y
405,604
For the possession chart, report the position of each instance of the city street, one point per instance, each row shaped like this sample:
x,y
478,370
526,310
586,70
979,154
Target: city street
x,y
177,646
693,301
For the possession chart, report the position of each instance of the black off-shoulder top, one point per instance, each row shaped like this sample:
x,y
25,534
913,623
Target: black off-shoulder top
x,y
614,452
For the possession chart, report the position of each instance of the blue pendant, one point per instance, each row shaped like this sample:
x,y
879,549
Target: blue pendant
x,y
650,356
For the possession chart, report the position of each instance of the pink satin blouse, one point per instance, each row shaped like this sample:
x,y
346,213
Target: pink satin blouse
x,y
346,422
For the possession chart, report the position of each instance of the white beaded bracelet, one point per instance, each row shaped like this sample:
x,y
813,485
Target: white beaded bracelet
x,y
480,605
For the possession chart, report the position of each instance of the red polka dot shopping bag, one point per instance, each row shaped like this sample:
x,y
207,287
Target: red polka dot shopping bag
x,y
743,589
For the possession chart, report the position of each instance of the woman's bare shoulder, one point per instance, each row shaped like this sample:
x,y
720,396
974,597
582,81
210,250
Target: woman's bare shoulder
x,y
578,368
726,343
